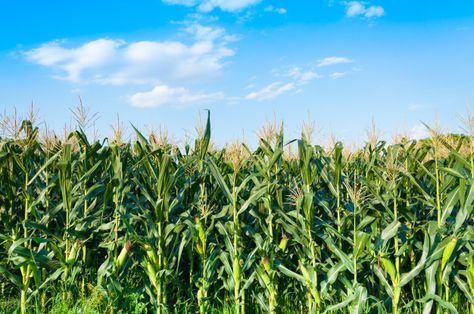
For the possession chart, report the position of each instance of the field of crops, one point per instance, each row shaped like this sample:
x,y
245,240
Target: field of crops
x,y
143,227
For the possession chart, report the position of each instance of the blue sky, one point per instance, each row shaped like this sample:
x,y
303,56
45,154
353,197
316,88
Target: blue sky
x,y
161,62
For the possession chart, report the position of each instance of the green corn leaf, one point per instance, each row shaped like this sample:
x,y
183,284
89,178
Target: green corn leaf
x,y
440,301
390,231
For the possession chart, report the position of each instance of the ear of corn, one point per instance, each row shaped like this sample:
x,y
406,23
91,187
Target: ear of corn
x,y
387,228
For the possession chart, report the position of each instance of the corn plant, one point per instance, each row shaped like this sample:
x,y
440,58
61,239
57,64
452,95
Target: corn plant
x,y
386,228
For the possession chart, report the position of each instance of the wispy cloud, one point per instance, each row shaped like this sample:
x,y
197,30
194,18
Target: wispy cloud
x,y
209,5
418,106
295,78
273,9
358,8
188,3
332,61
271,91
301,77
164,95
336,75
115,61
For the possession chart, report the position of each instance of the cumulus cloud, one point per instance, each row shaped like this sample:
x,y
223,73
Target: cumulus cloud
x,y
357,8
273,9
112,61
164,95
209,5
94,54
332,61
374,11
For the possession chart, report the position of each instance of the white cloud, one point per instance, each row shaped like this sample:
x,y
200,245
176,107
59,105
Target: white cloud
x,y
226,5
73,62
271,91
374,11
109,61
357,8
208,33
419,132
273,9
332,61
302,77
201,32
163,95
188,3
296,78
209,5
336,75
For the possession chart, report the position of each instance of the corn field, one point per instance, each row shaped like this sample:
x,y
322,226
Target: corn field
x,y
145,227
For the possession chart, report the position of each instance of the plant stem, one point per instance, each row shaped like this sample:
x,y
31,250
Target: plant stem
x,y
438,201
